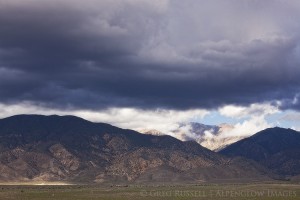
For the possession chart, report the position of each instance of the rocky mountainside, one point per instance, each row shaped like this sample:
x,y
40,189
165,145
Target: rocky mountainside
x,y
68,148
275,148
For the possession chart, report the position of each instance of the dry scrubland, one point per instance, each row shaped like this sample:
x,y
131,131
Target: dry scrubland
x,y
165,192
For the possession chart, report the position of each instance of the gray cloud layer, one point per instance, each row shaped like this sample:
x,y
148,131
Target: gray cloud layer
x,y
149,54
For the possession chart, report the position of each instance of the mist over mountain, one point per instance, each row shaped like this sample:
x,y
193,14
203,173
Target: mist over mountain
x,y
213,137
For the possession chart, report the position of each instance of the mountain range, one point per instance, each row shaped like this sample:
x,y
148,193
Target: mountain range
x,y
71,149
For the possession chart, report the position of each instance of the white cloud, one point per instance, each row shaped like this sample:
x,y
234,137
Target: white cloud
x,y
251,119
296,99
248,127
254,110
161,119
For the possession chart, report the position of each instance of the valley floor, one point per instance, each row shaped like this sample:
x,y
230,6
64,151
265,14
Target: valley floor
x,y
270,191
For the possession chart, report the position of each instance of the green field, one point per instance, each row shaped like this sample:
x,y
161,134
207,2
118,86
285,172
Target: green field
x,y
165,192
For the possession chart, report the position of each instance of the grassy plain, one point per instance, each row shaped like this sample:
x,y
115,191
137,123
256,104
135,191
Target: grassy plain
x,y
272,191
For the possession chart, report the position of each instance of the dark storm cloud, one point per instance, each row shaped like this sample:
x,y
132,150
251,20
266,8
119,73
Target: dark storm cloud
x,y
149,54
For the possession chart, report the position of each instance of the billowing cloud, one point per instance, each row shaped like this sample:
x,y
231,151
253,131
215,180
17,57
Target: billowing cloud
x,y
253,110
163,120
140,54
251,119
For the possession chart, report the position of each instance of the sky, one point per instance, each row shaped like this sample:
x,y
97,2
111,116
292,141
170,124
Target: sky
x,y
151,64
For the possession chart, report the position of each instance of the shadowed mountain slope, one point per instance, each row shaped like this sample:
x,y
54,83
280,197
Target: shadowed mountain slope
x,y
275,148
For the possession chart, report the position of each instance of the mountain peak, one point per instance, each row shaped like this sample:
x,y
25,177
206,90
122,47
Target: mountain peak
x,y
37,116
276,148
